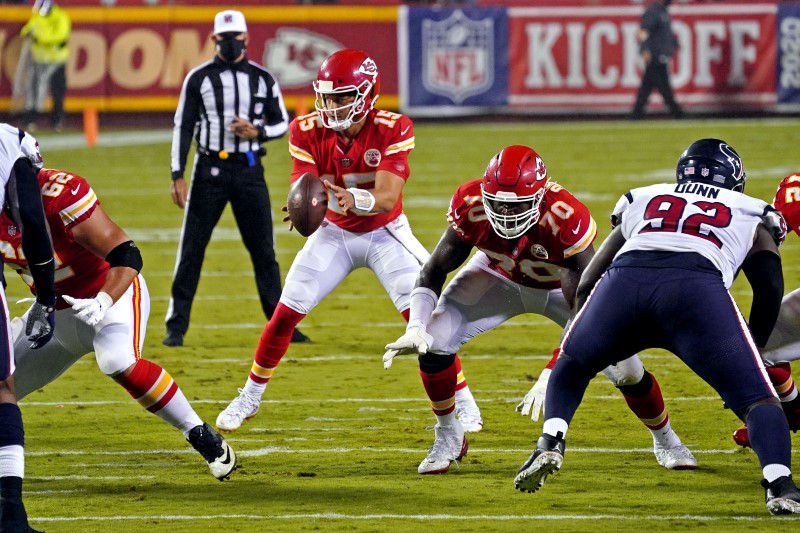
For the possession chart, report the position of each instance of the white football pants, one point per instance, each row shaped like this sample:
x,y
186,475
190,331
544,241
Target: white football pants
x,y
331,253
116,341
784,342
479,299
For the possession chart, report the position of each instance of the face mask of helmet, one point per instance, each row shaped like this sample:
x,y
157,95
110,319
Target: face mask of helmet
x,y
524,212
340,117
230,49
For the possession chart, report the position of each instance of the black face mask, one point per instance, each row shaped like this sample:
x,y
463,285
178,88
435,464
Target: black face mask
x,y
230,49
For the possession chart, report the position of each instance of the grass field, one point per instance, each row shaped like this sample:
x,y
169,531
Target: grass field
x,y
338,439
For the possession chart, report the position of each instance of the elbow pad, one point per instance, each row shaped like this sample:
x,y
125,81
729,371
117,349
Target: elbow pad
x,y
125,255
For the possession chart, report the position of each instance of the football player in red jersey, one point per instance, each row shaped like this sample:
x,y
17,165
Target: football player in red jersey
x,y
533,238
102,306
362,155
784,342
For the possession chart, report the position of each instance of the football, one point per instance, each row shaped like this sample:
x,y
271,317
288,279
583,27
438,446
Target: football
x,y
307,203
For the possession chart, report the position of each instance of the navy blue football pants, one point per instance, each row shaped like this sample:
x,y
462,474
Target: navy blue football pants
x,y
689,313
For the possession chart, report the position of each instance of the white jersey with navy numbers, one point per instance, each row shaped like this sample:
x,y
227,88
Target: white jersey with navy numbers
x,y
717,223
15,144
10,151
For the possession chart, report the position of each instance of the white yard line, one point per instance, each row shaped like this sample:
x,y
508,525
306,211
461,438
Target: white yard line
x,y
413,517
270,450
100,403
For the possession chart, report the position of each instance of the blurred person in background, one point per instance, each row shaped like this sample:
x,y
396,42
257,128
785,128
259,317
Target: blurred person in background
x,y
657,45
231,106
20,196
361,153
48,31
102,306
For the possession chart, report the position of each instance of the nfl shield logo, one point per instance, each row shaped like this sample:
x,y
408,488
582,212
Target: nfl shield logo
x,y
458,57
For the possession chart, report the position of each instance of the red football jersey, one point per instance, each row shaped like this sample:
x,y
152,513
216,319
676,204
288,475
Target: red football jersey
x,y
68,200
787,201
382,144
534,259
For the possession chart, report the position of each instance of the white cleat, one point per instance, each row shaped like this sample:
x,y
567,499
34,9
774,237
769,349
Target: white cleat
x,y
470,417
676,458
449,445
220,457
243,407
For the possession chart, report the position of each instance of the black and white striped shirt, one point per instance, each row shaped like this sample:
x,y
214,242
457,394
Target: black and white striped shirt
x,y
216,92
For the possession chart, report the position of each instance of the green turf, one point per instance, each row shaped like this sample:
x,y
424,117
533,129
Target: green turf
x,y
338,439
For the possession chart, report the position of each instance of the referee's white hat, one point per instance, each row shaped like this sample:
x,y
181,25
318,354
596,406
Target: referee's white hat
x,y
229,21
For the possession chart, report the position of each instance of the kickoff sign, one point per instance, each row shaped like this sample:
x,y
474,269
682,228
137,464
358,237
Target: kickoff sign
x,y
586,59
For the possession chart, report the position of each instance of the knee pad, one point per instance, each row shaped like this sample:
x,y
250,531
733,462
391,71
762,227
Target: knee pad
x,y
113,364
627,372
640,389
433,363
765,401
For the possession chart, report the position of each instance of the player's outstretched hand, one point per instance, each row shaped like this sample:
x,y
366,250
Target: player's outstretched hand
x,y
533,402
41,324
414,341
91,310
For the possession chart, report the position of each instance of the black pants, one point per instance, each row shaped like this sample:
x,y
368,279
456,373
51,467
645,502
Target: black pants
x,y
57,85
58,90
214,184
656,75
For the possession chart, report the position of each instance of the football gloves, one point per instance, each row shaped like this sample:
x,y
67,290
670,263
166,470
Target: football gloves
x,y
40,325
90,310
533,402
415,340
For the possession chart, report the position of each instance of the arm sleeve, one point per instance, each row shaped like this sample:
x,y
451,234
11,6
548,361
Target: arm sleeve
x,y
763,271
186,117
25,200
276,118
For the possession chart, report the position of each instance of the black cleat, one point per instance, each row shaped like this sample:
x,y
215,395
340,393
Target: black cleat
x,y
173,338
546,459
298,337
782,496
220,457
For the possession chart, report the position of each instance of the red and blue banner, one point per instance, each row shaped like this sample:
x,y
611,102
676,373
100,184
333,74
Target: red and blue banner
x,y
457,57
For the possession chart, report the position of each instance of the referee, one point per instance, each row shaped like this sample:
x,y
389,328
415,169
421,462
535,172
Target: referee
x,y
657,45
230,105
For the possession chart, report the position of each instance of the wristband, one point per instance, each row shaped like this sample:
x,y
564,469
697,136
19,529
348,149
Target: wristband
x,y
105,299
364,199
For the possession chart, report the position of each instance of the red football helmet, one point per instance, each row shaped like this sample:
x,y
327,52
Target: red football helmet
x,y
346,71
787,201
513,188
